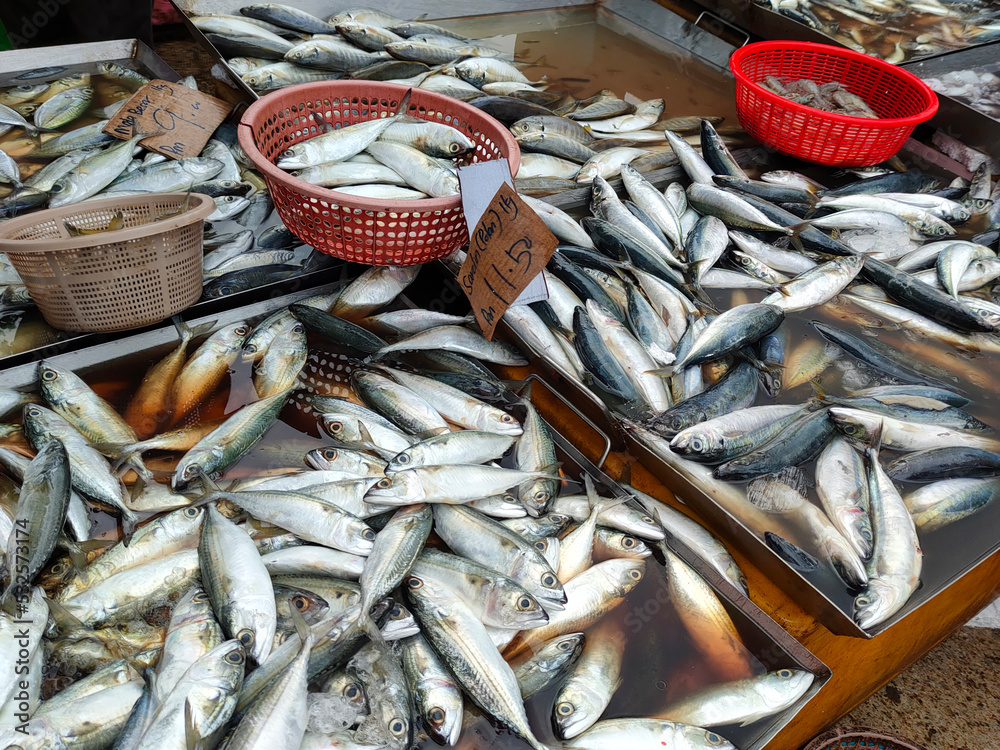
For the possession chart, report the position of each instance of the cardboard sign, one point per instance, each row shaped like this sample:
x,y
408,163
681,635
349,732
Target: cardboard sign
x,y
507,249
183,118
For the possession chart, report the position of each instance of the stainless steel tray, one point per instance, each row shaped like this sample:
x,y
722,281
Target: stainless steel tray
x,y
131,53
764,638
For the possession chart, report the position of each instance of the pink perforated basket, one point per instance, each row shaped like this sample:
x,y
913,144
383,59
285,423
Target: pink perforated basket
x,y
365,230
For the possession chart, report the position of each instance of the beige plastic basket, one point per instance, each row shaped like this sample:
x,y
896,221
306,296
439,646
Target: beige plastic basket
x,y
111,281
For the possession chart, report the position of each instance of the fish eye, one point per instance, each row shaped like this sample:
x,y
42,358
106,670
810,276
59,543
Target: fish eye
x,y
628,542
352,691
524,603
191,512
402,458
436,716
49,375
697,445
565,646
565,709
191,470
866,534
397,611
862,601
507,418
635,575
300,603
784,673
60,567
368,534
454,148
397,727
540,545
330,454
242,330
557,518
384,484
251,348
297,328
541,496
647,519
334,426
201,596
713,739
34,412
246,637
743,582
235,657
548,580
57,188
414,583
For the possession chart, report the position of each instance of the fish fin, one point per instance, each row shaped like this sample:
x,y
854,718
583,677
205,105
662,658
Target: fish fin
x,y
77,556
129,522
876,441
404,103
321,122
626,475
66,621
664,372
192,737
113,450
186,332
427,434
781,492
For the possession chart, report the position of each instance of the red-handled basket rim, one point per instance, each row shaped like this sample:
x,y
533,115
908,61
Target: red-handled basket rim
x,y
882,123
262,108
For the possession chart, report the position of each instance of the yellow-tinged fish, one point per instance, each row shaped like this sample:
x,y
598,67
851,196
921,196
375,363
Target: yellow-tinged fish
x,y
203,372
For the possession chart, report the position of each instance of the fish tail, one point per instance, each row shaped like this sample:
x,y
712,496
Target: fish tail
x,y
404,103
66,621
129,522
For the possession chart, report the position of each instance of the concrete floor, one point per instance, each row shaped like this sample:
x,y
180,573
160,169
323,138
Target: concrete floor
x,y
949,700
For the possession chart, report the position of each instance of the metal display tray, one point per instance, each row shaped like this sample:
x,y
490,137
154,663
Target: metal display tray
x,y
955,117
647,21
763,637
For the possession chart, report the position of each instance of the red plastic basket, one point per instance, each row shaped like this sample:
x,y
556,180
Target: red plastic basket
x,y
900,99
365,230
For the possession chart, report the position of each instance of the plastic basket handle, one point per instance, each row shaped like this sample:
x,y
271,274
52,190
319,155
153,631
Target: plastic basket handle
x,y
534,377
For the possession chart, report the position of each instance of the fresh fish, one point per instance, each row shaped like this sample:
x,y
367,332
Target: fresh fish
x,y
901,435
465,646
842,486
437,697
943,463
894,568
784,494
732,330
799,442
649,734
461,447
742,702
374,288
192,632
205,369
228,442
549,665
731,435
705,619
93,174
938,504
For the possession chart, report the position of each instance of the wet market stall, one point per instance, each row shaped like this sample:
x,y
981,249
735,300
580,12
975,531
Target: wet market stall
x,y
585,375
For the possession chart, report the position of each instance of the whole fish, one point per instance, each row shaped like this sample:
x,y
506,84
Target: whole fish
x,y
204,370
93,174
76,402
465,646
41,512
733,329
649,734
731,435
938,504
549,665
373,289
743,701
902,435
460,340
591,682
944,463
497,600
238,584
842,486
784,494
228,442
799,442
151,406
896,561
192,632
438,699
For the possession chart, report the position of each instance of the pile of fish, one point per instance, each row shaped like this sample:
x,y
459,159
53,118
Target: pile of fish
x,y
564,141
829,97
53,153
979,88
631,317
896,30
429,569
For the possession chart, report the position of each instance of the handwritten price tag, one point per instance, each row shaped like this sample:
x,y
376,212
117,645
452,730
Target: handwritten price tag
x,y
180,120
508,248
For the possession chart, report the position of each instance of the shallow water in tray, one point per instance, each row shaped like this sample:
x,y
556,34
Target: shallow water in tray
x,y
660,664
583,51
